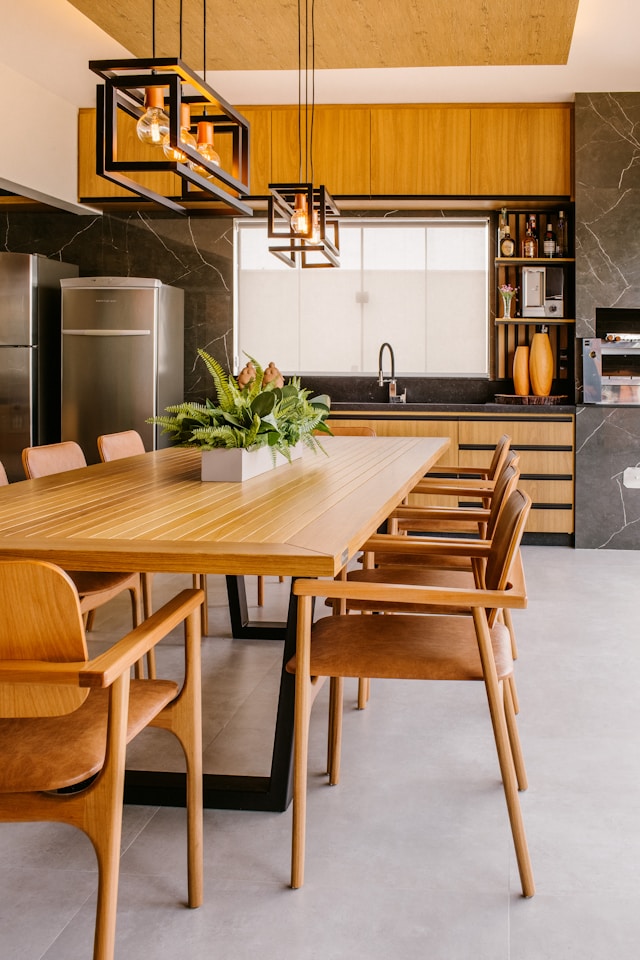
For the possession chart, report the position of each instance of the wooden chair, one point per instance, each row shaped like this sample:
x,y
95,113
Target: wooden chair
x,y
469,481
436,560
4,480
129,443
405,646
65,720
95,588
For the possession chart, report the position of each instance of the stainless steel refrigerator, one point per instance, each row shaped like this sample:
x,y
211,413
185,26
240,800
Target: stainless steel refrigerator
x,y
29,354
122,357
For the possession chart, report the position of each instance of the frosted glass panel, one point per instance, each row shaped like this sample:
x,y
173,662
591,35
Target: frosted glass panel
x,y
394,248
420,285
395,313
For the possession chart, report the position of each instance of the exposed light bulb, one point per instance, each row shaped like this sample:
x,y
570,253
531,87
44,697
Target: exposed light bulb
x,y
315,228
185,136
300,218
153,125
205,148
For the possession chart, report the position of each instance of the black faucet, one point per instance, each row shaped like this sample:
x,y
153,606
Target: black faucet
x,y
393,396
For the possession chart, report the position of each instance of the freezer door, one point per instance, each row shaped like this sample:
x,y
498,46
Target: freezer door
x,y
108,364
17,365
17,314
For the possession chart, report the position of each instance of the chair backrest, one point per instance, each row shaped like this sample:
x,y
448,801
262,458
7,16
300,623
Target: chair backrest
x,y
348,430
52,458
4,480
115,446
40,619
506,540
499,455
506,481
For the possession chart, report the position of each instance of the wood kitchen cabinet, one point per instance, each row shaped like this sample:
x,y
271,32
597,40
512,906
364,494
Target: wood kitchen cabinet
x,y
420,150
545,443
341,148
455,150
521,150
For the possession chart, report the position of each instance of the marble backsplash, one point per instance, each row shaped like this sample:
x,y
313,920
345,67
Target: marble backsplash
x,y
194,253
607,211
607,512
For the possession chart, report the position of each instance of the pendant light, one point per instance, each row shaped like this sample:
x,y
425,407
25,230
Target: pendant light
x,y
167,100
153,125
185,137
303,216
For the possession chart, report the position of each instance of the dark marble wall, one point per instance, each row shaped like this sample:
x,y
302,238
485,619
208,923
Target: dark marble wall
x,y
194,253
607,175
607,511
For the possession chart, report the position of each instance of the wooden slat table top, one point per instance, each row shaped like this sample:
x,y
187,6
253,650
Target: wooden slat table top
x,y
153,513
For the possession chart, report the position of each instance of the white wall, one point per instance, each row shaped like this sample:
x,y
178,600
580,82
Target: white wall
x,y
45,46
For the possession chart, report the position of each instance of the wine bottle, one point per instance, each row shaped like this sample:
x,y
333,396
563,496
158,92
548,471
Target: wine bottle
x,y
562,247
549,242
530,241
507,243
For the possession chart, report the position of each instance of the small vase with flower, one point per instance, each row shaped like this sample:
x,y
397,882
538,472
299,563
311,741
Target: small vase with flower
x,y
507,292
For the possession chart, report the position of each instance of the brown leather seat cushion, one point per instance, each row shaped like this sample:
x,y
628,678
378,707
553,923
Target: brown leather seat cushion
x,y
425,648
35,751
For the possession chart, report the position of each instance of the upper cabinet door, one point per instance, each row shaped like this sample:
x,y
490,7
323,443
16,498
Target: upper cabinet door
x,y
521,150
420,150
341,140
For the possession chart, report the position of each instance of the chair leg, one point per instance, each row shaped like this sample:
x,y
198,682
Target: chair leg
x,y
261,591
335,729
89,620
496,699
183,717
364,688
151,654
301,740
514,737
147,595
200,583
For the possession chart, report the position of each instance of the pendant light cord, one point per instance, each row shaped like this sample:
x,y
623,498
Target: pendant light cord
x,y
181,29
153,29
303,67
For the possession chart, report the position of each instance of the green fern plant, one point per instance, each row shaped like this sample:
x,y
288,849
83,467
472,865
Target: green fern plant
x,y
249,415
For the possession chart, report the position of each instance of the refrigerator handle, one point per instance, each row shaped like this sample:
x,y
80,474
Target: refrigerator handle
x,y
106,333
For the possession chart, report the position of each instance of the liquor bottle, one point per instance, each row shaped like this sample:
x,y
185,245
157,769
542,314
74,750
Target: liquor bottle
x,y
530,241
562,247
507,243
549,242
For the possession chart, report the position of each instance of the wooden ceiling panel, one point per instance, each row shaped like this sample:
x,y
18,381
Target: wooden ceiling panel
x,y
250,35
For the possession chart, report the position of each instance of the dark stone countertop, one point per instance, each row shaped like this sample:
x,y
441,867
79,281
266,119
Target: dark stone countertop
x,y
406,409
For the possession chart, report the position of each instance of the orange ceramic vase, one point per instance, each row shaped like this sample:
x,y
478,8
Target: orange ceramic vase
x,y
541,365
521,371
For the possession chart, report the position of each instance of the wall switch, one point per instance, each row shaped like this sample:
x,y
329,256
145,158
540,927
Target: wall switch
x,y
631,477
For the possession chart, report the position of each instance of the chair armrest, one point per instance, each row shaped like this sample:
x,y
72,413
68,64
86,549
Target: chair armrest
x,y
105,668
483,488
453,514
450,473
423,546
403,593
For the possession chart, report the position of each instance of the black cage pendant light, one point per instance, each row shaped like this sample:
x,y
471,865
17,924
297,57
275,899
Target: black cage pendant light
x,y
301,217
176,112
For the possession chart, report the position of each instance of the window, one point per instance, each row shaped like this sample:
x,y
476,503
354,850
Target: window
x,y
421,285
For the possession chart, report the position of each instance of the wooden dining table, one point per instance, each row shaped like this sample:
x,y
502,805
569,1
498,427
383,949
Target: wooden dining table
x,y
153,513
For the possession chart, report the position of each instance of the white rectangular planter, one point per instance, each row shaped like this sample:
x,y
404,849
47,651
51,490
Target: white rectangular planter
x,y
240,464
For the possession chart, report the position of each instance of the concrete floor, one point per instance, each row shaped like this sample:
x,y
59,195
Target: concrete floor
x,y
410,856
